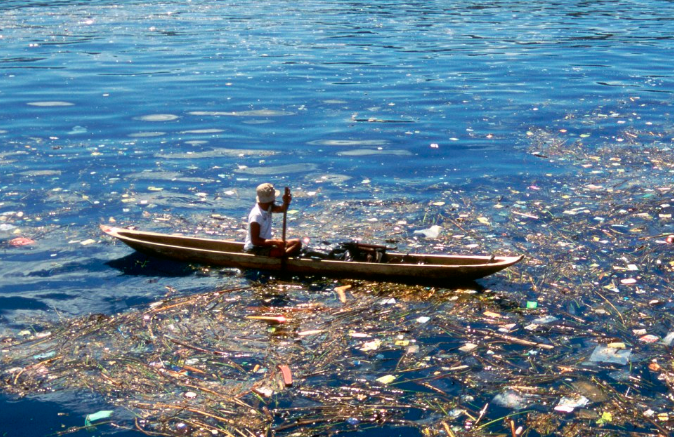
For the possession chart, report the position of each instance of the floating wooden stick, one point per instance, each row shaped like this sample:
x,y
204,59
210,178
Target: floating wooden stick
x,y
515,340
274,320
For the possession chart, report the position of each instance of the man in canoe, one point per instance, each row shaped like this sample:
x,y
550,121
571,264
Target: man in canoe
x,y
259,239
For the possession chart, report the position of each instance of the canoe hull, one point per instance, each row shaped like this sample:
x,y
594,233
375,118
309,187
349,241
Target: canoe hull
x,y
402,268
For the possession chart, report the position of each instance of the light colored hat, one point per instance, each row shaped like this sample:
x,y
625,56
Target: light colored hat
x,y
266,193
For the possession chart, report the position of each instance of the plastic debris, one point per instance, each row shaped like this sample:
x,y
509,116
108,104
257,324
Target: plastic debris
x,y
264,391
568,404
431,233
99,415
668,339
286,374
21,241
468,347
6,227
45,355
366,353
386,379
510,399
606,417
649,338
544,320
371,345
607,354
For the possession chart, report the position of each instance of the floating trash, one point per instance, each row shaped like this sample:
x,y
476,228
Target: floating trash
x,y
99,415
371,345
21,241
510,399
432,232
468,347
649,338
568,404
668,339
608,354
6,227
561,326
386,379
544,320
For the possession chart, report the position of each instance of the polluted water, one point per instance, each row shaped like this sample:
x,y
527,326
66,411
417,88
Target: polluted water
x,y
576,337
540,129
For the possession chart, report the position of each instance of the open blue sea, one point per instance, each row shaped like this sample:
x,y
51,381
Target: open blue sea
x,y
126,111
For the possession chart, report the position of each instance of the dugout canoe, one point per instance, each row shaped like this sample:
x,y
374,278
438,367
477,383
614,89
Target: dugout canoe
x,y
400,267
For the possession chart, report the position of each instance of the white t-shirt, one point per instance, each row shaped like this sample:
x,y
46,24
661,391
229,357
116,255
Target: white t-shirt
x,y
257,215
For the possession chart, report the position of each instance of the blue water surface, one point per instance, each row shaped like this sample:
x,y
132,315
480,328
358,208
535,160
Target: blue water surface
x,y
110,110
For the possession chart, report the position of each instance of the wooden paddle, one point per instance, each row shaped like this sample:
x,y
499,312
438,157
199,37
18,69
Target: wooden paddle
x,y
285,217
283,234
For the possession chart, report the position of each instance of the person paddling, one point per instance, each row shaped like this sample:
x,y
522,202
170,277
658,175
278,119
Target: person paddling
x,y
259,239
